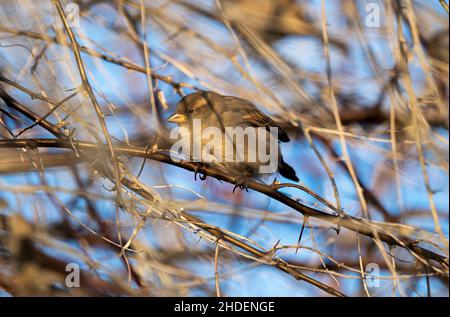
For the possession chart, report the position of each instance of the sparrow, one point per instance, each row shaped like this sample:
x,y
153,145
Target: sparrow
x,y
269,20
211,109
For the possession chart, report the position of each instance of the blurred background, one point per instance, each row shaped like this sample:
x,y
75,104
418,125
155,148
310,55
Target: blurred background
x,y
360,86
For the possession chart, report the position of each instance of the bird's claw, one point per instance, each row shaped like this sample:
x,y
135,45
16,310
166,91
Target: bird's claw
x,y
241,183
201,176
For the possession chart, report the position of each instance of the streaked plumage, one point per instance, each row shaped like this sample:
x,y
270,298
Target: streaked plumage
x,y
227,111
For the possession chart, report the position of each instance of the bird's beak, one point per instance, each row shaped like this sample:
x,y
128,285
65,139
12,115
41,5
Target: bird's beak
x,y
177,118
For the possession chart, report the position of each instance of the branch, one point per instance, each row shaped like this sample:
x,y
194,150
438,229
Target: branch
x,y
64,142
355,224
92,52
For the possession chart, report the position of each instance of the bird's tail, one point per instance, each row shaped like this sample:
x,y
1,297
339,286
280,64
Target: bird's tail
x,y
287,171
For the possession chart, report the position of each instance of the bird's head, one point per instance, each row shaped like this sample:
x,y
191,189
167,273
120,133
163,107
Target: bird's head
x,y
197,105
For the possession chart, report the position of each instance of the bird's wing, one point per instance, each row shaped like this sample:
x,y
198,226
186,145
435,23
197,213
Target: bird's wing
x,y
250,114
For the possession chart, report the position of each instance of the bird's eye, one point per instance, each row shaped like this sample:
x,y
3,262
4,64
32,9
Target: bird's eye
x,y
191,110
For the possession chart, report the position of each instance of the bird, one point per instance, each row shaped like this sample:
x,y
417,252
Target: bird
x,y
267,20
220,112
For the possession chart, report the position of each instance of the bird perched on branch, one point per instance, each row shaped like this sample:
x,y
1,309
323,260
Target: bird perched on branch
x,y
232,135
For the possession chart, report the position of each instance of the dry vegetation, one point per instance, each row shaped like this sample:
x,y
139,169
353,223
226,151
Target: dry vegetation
x,y
85,174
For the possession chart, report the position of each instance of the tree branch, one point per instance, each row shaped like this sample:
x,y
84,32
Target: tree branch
x,y
355,224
